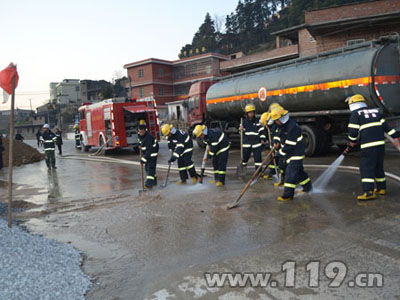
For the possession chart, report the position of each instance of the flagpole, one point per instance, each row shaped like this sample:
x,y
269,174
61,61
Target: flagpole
x,y
10,154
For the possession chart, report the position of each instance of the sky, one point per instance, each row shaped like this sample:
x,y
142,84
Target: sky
x,y
92,39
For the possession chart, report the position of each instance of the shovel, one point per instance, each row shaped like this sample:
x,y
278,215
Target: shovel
x,y
166,179
241,170
141,173
203,165
256,173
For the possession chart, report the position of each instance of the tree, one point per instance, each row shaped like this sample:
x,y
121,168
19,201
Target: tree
x,y
205,36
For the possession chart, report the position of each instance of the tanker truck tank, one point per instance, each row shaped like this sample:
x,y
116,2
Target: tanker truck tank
x,y
317,83
314,90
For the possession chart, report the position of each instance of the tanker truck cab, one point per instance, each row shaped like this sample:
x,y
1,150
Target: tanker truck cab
x,y
113,123
196,103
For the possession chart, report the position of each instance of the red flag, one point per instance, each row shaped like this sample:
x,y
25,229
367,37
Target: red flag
x,y
6,77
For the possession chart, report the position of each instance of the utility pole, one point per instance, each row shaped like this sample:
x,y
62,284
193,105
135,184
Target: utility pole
x,y
30,101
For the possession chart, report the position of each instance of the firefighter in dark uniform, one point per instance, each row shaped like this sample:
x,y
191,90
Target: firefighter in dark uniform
x,y
254,136
149,148
270,125
219,146
367,126
1,151
59,140
49,139
181,145
77,137
292,152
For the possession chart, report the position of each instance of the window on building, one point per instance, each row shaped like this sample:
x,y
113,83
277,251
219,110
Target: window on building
x,y
197,102
141,92
160,72
353,42
141,73
161,90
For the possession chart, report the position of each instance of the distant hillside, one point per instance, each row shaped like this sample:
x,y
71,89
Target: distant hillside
x,y
249,27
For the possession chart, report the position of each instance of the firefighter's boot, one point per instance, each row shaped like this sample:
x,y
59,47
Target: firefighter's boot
x,y
278,184
194,180
212,181
268,177
370,195
219,184
281,198
380,192
181,181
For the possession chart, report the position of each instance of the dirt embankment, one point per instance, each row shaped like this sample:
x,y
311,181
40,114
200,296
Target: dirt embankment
x,y
23,153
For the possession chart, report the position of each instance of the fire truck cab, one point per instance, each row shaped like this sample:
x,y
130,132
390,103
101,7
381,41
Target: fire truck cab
x,y
113,123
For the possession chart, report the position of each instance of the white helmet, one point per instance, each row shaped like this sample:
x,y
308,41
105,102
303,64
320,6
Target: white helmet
x,y
46,126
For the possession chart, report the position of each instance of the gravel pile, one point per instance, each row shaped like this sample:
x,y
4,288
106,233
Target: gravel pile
x,y
4,209
33,267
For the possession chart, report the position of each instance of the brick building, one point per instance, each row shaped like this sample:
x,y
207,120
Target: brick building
x,y
326,29
169,81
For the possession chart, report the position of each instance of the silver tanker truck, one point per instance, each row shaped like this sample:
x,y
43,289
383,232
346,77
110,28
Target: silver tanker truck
x,y
312,88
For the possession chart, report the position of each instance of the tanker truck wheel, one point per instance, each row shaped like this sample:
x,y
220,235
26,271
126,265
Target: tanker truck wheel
x,y
315,140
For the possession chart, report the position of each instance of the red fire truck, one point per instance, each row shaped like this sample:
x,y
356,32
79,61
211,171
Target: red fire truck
x,y
115,122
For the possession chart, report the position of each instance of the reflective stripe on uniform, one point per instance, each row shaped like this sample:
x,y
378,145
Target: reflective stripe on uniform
x,y
352,139
372,124
305,181
246,145
372,144
251,133
223,149
368,180
143,148
179,145
263,136
176,154
355,126
281,152
391,132
380,179
150,177
187,150
289,142
144,160
187,139
257,164
221,172
277,138
219,141
49,149
154,154
289,185
191,166
295,158
182,169
256,145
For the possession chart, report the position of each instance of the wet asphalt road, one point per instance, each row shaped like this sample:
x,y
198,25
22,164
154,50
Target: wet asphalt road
x,y
159,246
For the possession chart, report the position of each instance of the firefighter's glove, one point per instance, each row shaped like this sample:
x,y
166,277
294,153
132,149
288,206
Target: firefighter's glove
x,y
346,151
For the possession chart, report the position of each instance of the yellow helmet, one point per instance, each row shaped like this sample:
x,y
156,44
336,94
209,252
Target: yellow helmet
x,y
274,105
277,112
356,98
142,122
75,126
249,108
265,118
198,130
166,129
